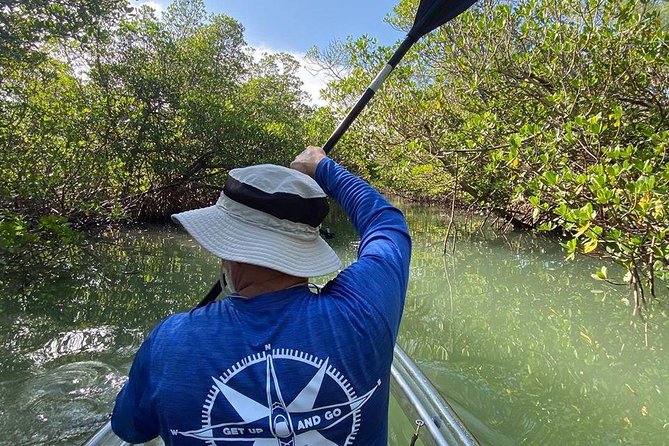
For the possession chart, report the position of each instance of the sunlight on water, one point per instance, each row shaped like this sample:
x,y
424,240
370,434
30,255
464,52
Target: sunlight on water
x,y
90,340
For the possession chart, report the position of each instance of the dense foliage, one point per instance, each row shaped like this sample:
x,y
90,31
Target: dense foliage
x,y
108,113
26,25
552,114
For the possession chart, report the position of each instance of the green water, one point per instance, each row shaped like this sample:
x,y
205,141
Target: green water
x,y
526,346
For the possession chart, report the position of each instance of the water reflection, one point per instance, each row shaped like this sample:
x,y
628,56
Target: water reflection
x,y
530,347
87,341
526,346
57,405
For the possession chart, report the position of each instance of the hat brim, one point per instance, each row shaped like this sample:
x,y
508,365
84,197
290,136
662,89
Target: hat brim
x,y
233,239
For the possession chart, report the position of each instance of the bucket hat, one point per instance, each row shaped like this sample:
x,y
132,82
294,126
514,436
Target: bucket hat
x,y
266,215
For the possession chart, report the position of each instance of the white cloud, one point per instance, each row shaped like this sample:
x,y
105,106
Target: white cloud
x,y
159,7
312,80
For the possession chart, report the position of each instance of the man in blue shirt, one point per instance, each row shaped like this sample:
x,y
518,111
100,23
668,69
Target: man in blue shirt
x,y
275,363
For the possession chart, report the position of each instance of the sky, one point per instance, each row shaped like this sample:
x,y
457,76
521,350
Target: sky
x,y
295,26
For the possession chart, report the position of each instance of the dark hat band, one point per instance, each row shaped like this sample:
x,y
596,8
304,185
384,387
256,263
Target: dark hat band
x,y
283,205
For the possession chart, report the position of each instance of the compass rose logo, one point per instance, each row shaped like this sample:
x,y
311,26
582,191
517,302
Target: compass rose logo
x,y
276,421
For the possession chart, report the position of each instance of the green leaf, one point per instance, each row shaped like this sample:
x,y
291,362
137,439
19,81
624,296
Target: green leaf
x,y
550,178
590,246
602,274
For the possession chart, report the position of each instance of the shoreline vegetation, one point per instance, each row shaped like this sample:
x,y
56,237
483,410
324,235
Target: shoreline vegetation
x,y
553,116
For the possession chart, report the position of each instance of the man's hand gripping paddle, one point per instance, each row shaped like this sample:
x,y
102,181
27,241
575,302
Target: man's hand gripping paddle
x,y
431,14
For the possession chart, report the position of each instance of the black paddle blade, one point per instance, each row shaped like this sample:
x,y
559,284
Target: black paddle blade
x,y
434,13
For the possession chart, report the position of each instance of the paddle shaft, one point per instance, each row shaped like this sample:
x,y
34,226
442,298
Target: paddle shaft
x,y
369,93
211,295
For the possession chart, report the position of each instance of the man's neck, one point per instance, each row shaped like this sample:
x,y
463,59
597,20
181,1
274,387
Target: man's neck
x,y
256,289
251,280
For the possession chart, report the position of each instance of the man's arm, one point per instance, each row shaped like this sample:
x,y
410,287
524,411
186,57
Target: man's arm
x,y
133,418
382,270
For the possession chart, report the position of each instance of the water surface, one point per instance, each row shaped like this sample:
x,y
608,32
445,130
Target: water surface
x,y
526,346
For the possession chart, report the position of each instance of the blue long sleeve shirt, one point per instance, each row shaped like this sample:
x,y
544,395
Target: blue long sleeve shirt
x,y
284,368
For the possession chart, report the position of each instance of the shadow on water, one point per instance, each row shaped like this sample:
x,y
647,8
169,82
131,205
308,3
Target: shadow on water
x,y
526,346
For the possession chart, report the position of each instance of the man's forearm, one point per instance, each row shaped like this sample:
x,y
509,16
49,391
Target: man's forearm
x,y
366,207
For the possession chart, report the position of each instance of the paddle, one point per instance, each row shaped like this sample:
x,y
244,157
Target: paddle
x,y
431,14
